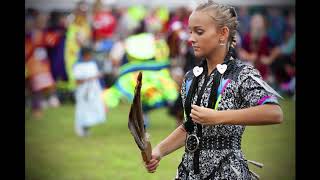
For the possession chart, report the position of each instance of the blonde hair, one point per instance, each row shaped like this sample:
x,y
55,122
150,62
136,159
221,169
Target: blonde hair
x,y
224,16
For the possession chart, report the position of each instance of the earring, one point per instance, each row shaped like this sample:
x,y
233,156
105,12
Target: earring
x,y
221,43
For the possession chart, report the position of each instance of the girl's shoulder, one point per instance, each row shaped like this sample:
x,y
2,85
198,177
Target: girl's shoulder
x,y
242,70
243,66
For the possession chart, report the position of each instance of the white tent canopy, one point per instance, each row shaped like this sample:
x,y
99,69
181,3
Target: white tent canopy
x,y
48,5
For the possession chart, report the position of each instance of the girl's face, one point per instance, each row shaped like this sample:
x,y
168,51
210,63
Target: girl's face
x,y
204,34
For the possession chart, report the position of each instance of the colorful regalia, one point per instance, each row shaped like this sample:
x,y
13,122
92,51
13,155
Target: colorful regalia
x,y
150,56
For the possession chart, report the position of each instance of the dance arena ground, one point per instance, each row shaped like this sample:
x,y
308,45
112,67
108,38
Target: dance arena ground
x,y
54,152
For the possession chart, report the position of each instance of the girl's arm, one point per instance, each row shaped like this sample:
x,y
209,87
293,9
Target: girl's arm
x,y
173,142
257,115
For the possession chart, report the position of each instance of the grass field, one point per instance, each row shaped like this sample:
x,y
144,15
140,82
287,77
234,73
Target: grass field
x,y
54,152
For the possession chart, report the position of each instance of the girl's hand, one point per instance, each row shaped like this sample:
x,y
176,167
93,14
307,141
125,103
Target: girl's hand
x,y
205,116
152,165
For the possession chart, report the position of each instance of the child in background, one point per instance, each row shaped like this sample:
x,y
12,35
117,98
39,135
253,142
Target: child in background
x,y
89,105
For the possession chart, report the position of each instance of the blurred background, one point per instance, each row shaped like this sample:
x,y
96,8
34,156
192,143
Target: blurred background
x,y
81,63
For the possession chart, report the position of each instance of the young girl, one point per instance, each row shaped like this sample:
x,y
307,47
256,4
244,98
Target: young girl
x,y
89,105
220,97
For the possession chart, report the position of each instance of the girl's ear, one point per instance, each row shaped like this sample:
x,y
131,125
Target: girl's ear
x,y
224,32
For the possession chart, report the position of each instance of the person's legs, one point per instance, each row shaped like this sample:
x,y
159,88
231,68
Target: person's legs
x,y
53,100
81,130
36,98
86,130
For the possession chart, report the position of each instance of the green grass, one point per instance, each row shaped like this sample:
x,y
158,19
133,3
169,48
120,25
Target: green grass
x,y
54,152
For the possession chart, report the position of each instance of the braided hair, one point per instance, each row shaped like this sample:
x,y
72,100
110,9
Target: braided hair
x,y
224,16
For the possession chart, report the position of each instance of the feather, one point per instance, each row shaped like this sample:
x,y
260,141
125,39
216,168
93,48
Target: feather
x,y
136,123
